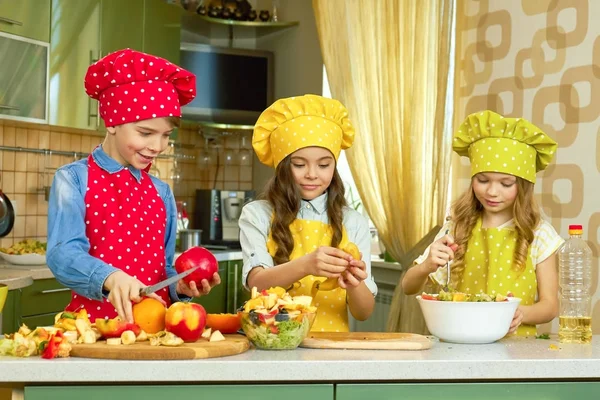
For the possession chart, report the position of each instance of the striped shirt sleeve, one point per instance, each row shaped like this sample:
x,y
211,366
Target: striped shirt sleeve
x,y
546,241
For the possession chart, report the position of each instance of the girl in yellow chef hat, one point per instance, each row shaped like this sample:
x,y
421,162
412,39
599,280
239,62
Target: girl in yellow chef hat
x,y
293,236
498,243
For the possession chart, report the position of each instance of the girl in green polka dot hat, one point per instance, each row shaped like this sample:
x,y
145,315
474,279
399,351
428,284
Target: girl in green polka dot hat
x,y
495,239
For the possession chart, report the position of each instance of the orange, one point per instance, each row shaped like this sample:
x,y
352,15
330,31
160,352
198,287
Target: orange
x,y
149,314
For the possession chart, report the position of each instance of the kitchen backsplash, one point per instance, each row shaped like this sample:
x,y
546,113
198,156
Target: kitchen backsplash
x,y
24,175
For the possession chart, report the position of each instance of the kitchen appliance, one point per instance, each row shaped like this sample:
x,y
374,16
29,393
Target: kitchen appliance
x,y
190,238
217,213
236,85
234,344
366,341
7,214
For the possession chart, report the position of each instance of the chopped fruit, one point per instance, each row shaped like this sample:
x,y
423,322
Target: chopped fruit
x,y
163,338
142,337
206,333
128,337
216,337
113,341
113,328
459,297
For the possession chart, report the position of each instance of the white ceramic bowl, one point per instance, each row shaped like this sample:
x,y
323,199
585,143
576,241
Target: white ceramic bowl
x,y
24,259
468,322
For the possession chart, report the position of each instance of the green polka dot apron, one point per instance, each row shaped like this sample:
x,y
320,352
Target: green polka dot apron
x,y
489,268
332,315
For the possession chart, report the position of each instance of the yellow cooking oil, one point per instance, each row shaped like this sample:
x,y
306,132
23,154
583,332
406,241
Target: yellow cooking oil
x,y
575,329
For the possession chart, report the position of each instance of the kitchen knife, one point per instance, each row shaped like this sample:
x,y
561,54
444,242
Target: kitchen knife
x,y
151,289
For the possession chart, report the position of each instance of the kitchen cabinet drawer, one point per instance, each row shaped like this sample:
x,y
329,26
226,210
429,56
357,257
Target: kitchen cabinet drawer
x,y
43,297
23,78
470,391
236,293
27,18
216,301
39,320
246,392
75,45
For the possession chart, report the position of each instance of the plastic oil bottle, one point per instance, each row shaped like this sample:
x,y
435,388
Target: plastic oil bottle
x,y
575,280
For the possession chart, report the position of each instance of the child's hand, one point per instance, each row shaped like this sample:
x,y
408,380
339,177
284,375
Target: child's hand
x,y
327,261
123,289
354,275
191,290
440,253
516,321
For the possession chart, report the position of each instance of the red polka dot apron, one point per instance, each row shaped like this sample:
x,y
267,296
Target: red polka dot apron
x,y
125,224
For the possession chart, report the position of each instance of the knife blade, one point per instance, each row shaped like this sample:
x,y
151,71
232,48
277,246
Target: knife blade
x,y
151,289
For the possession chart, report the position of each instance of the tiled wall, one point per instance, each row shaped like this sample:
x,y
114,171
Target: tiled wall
x,y
24,175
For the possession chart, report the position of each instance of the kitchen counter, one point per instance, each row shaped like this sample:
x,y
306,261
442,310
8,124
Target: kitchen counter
x,y
509,359
20,276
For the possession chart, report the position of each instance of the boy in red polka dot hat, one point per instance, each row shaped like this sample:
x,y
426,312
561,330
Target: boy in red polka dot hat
x,y
112,226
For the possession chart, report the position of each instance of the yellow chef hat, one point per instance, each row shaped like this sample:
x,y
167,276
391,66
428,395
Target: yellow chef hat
x,y
293,123
513,146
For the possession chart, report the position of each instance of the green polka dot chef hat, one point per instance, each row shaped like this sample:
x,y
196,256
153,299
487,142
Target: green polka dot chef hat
x,y
293,123
512,146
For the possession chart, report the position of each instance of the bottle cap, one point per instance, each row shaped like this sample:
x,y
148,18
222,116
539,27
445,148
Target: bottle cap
x,y
575,229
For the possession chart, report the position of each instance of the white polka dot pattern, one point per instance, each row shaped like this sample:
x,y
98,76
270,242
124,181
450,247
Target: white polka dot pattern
x,y
119,211
132,86
297,122
509,145
489,267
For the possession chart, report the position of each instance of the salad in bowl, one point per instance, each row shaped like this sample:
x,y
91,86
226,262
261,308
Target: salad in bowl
x,y
274,320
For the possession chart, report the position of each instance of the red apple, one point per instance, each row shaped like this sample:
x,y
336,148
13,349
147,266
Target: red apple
x,y
186,320
197,256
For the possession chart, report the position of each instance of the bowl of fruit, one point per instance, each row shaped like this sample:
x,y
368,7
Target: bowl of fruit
x,y
25,252
468,318
274,320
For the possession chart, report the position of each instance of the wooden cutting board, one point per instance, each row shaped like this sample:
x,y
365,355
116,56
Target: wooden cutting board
x,y
234,344
366,341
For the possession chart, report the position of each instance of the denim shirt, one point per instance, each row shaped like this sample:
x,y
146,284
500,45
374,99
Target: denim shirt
x,y
255,226
68,247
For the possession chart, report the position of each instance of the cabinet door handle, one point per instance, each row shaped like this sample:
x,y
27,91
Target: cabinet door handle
x,y
2,106
55,290
11,21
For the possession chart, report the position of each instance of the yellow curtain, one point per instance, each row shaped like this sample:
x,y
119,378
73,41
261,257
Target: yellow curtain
x,y
388,61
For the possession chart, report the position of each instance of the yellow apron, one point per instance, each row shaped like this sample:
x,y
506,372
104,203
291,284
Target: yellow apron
x,y
488,268
332,313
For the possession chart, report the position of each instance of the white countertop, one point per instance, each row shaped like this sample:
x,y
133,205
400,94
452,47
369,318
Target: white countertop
x,y
515,359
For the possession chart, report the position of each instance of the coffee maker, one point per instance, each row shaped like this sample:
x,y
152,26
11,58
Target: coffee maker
x,y
217,213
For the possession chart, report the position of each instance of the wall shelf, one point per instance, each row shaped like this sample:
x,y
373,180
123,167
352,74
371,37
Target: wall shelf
x,y
254,24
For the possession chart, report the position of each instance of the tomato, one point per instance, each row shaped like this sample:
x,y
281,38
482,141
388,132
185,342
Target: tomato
x,y
426,296
193,257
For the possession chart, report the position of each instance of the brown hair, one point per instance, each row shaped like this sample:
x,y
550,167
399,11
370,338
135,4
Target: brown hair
x,y
174,121
467,209
283,195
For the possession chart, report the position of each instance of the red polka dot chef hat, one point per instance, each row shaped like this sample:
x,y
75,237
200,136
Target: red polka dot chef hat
x,y
132,86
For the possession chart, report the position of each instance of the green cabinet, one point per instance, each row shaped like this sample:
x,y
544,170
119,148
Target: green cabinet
x,y
83,31
230,294
27,18
162,29
122,25
246,392
74,45
469,391
215,301
34,305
